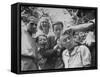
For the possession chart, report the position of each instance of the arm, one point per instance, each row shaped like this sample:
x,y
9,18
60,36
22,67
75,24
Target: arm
x,y
82,27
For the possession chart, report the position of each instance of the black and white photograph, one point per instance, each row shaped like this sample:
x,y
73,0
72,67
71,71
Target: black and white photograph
x,y
49,38
57,38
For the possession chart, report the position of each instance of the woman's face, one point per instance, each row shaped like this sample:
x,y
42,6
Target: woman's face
x,y
45,26
80,36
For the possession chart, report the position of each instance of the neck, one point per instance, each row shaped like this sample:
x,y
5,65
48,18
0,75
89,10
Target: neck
x,y
72,47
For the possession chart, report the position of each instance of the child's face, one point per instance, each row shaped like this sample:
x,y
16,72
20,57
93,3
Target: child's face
x,y
79,36
42,40
67,41
58,30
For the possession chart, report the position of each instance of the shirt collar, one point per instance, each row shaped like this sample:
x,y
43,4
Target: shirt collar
x,y
75,50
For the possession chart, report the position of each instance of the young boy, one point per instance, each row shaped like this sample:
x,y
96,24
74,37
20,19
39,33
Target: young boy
x,y
74,56
57,29
45,54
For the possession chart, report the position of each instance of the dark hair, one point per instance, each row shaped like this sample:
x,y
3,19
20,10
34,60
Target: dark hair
x,y
57,23
37,38
69,32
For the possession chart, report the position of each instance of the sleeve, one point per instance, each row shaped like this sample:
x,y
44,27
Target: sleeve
x,y
85,56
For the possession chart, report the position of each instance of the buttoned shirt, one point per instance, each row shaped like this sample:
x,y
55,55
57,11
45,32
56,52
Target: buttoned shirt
x,y
79,57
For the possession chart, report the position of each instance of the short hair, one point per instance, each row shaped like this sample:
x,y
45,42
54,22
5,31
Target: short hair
x,y
69,32
57,23
37,38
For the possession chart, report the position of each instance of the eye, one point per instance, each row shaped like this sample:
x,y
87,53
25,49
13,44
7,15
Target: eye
x,y
64,40
45,40
31,23
68,38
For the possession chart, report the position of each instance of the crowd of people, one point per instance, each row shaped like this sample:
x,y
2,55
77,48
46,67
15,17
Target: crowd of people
x,y
47,45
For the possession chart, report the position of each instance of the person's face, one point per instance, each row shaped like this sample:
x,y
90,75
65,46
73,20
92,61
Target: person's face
x,y
33,27
66,41
58,30
45,26
42,40
81,36
76,36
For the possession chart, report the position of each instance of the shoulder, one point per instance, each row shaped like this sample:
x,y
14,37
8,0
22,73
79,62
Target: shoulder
x,y
83,49
65,52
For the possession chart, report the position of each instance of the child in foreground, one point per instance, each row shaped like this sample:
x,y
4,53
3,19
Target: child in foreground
x,y
46,56
74,55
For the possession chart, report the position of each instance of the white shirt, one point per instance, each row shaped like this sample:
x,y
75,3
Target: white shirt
x,y
90,38
79,57
27,43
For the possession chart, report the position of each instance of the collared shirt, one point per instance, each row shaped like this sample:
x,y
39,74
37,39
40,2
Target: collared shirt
x,y
79,57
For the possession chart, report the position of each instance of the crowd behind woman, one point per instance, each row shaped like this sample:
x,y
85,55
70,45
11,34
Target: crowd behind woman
x,y
46,46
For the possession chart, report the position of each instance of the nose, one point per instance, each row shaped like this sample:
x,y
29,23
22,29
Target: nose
x,y
58,31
